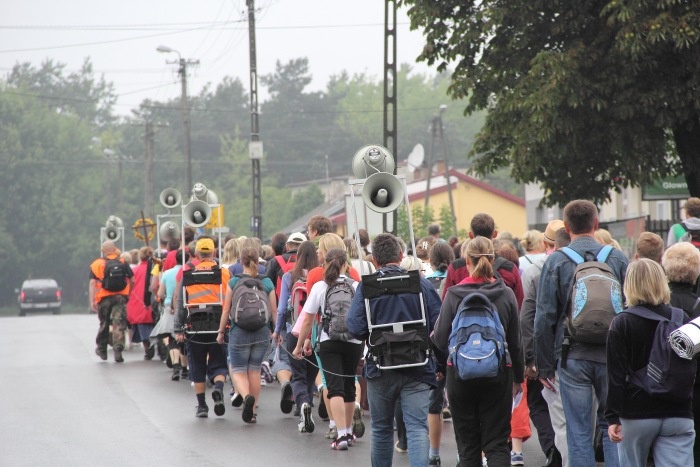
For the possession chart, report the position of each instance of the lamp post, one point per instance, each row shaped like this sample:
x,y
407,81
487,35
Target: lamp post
x,y
182,71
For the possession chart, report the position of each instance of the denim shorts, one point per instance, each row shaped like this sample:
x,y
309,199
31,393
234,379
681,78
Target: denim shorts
x,y
247,349
437,397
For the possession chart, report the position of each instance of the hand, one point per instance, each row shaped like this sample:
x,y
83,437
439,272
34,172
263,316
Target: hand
x,y
180,337
220,337
307,347
548,383
297,352
439,376
615,433
517,389
93,307
531,372
277,339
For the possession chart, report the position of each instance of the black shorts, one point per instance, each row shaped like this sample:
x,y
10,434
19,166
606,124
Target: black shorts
x,y
206,360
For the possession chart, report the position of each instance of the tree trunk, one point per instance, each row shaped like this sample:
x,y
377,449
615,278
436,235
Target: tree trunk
x,y
687,138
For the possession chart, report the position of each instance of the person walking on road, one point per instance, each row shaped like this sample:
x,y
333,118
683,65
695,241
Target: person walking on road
x,y
109,293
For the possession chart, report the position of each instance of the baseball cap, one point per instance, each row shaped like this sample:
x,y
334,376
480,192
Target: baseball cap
x,y
296,237
205,245
550,233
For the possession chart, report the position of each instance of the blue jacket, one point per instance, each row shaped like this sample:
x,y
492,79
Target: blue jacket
x,y
553,304
391,309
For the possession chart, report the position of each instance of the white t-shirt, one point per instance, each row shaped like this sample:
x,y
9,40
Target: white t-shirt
x,y
315,302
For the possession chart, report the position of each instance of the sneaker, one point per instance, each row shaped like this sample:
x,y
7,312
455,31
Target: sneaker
x,y
322,411
339,444
248,409
399,448
202,411
287,398
446,414
176,374
358,426
306,421
516,458
297,410
118,356
266,373
262,381
435,460
150,352
101,353
219,407
236,400
350,438
332,433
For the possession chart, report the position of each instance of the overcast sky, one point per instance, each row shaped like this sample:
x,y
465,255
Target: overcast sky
x,y
121,39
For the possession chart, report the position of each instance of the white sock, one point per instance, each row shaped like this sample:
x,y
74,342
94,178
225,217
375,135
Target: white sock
x,y
331,424
342,432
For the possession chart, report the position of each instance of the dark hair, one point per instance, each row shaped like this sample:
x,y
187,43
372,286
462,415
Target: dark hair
x,y
508,251
364,237
321,224
483,225
249,258
278,242
188,234
433,229
386,249
334,261
580,216
174,244
441,255
562,238
306,259
457,250
178,257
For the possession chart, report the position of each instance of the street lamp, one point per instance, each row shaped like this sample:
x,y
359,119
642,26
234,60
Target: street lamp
x,y
184,63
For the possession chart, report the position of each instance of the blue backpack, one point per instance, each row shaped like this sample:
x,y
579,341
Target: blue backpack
x,y
666,375
477,343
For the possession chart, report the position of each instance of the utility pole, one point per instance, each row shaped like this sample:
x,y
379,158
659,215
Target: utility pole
x,y
390,129
255,149
437,130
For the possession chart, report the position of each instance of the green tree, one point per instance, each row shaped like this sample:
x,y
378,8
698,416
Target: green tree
x,y
584,97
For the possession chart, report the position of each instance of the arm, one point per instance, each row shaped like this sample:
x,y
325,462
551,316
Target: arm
x,y
225,313
546,319
443,326
273,306
357,316
282,305
618,368
513,339
92,292
449,280
527,317
162,291
272,268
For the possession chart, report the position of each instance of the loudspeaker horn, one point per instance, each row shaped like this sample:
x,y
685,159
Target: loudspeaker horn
x,y
114,221
112,233
196,213
371,159
169,230
170,198
202,193
382,192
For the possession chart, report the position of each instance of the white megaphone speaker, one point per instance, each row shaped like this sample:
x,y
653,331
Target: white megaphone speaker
x,y
112,233
170,198
196,213
169,230
114,221
382,192
369,160
202,193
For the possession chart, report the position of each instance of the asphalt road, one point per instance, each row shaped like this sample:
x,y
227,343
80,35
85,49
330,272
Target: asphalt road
x,y
60,405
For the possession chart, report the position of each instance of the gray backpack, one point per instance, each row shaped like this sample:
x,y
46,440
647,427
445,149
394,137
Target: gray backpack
x,y
596,297
250,306
337,304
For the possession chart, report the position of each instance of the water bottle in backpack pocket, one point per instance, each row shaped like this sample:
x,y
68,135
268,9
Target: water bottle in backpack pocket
x,y
477,344
250,305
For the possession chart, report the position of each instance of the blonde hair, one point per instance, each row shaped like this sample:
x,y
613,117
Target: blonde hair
x,y
603,237
411,263
682,263
126,256
231,252
533,240
328,241
645,283
481,255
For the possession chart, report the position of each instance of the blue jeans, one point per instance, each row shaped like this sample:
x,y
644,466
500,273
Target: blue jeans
x,y
578,382
672,439
382,393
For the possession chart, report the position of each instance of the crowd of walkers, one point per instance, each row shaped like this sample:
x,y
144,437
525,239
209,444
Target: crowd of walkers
x,y
491,333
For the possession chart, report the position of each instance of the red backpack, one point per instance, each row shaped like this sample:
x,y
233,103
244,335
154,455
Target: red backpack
x,y
285,266
297,298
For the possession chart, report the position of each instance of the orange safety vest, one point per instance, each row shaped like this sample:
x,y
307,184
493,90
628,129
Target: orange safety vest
x,y
205,285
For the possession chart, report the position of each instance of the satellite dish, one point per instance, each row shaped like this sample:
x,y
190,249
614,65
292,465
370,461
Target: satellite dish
x,y
415,159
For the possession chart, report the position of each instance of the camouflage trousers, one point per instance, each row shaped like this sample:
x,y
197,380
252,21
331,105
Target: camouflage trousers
x,y
112,311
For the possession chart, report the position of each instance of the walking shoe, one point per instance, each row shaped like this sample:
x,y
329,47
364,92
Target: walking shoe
x,y
150,352
435,460
185,373
176,373
287,398
339,444
101,353
297,410
236,400
266,373
446,414
322,411
202,411
162,351
350,438
358,426
332,433
219,407
516,458
306,421
399,448
118,356
553,458
248,414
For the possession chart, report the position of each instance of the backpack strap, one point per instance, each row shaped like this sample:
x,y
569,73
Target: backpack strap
x,y
695,306
643,312
603,254
572,255
679,230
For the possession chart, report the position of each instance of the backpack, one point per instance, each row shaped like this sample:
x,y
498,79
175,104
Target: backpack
x,y
285,266
250,305
115,277
683,234
596,297
666,375
296,301
477,344
339,296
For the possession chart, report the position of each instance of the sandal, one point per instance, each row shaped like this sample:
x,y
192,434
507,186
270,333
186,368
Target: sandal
x,y
248,414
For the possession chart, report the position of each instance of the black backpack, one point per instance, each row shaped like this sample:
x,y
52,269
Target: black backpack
x,y
115,278
666,375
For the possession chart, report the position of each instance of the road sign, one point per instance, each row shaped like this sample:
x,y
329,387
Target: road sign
x,y
217,217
